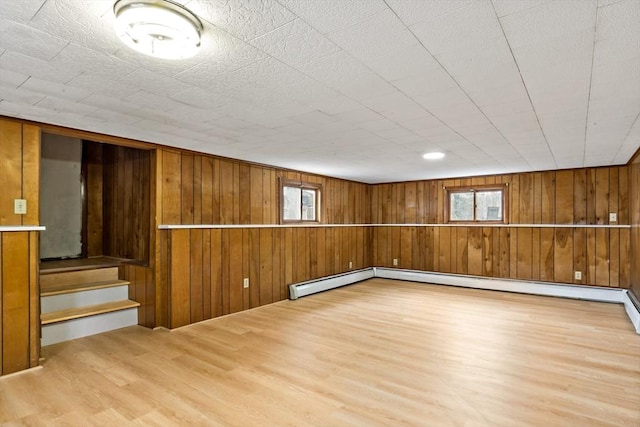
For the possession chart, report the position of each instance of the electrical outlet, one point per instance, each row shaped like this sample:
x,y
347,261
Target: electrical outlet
x,y
395,261
350,264
245,282
613,217
19,206
578,275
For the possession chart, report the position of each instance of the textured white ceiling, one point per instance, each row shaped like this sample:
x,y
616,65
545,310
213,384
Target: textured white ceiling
x,y
358,89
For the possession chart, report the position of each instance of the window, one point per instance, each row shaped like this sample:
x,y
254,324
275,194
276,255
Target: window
x,y
300,202
485,203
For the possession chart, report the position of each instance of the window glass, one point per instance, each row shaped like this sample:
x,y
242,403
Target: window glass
x,y
489,205
308,205
291,200
461,206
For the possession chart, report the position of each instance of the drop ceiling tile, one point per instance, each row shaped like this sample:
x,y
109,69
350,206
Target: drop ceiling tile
x,y
29,41
20,11
35,67
12,79
630,144
88,23
386,46
365,86
104,102
91,61
334,68
199,98
20,96
225,58
104,86
510,7
63,106
414,11
549,22
332,15
50,88
245,19
156,83
109,116
467,29
295,43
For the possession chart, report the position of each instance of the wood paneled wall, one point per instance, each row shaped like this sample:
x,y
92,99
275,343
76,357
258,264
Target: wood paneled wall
x,y
634,199
530,253
19,303
205,268
580,196
141,289
199,272
127,202
201,189
19,171
575,196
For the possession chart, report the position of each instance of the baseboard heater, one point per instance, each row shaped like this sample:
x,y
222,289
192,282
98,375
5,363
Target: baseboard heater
x,y
309,287
590,293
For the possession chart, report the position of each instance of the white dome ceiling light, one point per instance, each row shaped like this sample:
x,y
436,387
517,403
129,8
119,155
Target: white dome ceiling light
x,y
436,155
159,28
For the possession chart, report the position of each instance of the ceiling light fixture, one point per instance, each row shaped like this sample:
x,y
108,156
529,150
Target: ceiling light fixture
x,y
435,155
159,28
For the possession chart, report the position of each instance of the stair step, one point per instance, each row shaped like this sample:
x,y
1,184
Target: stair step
x,y
77,277
80,287
91,310
77,264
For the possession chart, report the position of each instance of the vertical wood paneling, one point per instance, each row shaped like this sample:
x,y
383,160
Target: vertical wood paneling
x,y
180,274
630,242
15,297
11,167
30,173
126,203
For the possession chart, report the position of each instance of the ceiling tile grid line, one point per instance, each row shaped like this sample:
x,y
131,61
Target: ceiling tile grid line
x,y
515,61
409,97
355,89
457,83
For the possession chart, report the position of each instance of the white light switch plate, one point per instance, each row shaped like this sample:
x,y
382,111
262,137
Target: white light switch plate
x,y
613,217
20,206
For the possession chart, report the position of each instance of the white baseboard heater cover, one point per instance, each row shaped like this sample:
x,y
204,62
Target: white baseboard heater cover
x,y
309,287
590,293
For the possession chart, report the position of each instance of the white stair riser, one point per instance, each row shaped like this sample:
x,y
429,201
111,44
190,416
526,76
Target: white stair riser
x,y
83,298
85,326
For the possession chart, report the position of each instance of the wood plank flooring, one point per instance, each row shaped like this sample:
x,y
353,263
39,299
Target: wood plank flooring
x,y
377,353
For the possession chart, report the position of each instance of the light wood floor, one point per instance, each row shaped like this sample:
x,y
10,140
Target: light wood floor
x,y
380,352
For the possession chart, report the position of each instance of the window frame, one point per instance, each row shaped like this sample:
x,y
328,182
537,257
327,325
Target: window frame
x,y
475,189
302,185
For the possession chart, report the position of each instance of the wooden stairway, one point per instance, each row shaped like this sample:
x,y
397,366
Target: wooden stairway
x,y
79,298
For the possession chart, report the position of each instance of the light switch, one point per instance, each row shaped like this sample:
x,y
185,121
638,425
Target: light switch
x,y
20,206
613,217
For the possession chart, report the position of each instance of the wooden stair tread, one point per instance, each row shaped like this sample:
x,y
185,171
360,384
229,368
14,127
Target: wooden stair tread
x,y
67,289
79,264
91,310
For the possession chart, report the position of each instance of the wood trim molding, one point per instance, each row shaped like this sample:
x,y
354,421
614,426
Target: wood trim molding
x,y
308,225
9,228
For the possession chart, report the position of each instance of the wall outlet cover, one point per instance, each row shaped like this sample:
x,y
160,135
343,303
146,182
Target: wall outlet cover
x,y
20,206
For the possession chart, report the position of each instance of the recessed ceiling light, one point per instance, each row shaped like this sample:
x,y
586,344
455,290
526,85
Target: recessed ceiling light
x,y
159,28
435,155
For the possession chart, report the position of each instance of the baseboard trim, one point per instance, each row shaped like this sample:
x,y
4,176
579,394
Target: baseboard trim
x,y
588,293
632,310
309,287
